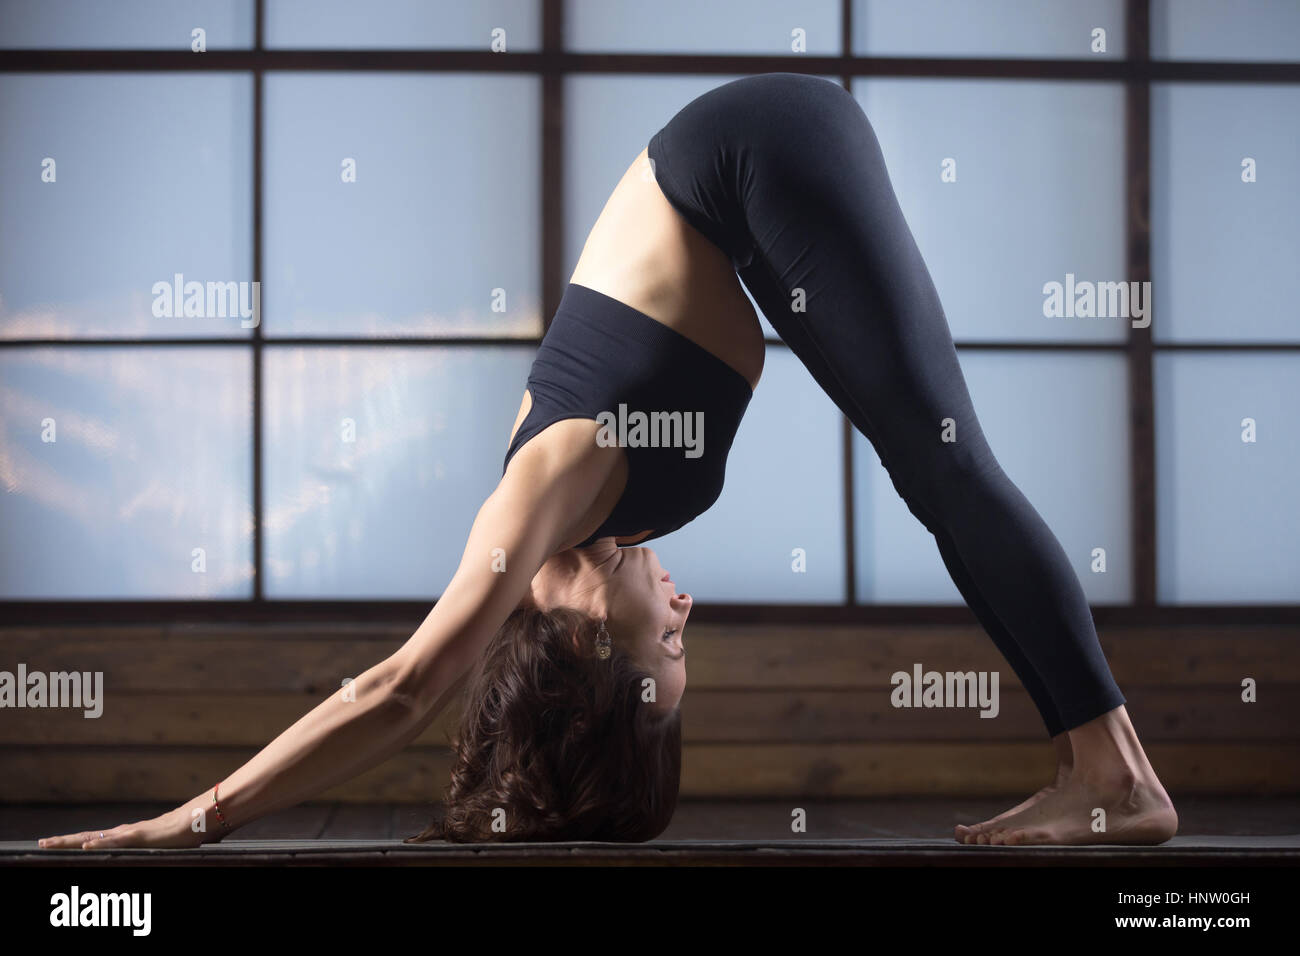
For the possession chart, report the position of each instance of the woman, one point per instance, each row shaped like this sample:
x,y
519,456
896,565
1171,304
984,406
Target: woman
x,y
571,727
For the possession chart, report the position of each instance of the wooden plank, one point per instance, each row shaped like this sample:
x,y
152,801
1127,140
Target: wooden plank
x,y
720,657
1185,713
69,774
1194,713
750,771
229,664
842,657
968,769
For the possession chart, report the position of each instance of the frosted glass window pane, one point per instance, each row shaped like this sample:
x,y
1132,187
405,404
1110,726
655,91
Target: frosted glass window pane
x,y
1227,514
610,119
1224,251
125,24
444,210
402,24
377,460
1038,197
129,205
785,490
144,492
1214,30
1011,28
720,26
1058,426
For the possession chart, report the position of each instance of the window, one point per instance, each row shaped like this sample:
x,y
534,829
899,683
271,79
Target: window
x,y
273,273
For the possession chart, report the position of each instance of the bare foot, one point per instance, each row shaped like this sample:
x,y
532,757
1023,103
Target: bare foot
x,y
1108,809
968,834
1112,795
1065,764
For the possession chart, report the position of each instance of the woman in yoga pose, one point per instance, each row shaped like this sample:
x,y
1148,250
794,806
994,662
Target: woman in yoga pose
x,y
568,641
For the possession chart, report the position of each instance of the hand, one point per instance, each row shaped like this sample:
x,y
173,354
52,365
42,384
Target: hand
x,y
172,829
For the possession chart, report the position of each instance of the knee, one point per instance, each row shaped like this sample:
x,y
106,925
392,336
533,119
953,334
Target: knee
x,y
938,485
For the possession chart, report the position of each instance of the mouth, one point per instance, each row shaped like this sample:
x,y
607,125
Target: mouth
x,y
666,578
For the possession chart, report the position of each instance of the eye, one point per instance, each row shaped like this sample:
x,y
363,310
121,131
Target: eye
x,y
669,633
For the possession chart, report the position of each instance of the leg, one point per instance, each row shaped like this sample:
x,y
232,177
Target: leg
x,y
1001,555
837,272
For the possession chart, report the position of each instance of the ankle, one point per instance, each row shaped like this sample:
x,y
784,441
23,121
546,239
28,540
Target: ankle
x,y
1124,782
1109,740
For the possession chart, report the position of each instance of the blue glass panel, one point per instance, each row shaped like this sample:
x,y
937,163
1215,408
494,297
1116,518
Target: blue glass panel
x,y
1214,30
377,460
402,205
127,473
1223,250
1039,29
1227,514
107,202
770,27
1014,190
125,24
404,24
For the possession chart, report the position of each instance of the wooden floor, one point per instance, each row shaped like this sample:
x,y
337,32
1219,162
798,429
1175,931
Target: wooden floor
x,y
1213,831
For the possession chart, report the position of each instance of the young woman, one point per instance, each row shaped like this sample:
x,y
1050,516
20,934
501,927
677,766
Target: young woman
x,y
570,638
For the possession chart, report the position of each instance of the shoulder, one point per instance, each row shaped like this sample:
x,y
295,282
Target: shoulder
x,y
564,479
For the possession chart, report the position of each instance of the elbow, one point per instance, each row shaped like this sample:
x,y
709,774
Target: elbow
x,y
403,692
417,691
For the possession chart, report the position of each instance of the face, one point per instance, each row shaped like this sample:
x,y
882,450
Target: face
x,y
630,588
648,616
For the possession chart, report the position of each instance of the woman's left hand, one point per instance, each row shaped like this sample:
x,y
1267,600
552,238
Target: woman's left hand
x,y
172,829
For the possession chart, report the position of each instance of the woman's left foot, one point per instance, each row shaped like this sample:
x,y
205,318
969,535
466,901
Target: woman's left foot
x,y
1117,808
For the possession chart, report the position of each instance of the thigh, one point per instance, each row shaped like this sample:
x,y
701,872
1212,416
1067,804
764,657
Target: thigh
x,y
837,272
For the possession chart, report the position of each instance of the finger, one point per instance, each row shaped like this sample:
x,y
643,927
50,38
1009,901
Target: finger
x,y
67,841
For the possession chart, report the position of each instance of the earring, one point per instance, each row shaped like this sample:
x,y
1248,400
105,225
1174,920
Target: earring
x,y
604,646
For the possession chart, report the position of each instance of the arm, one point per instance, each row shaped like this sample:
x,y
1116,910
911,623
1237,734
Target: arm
x,y
530,516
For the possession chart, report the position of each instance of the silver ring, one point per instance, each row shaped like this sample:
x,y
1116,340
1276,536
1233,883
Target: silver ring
x,y
101,834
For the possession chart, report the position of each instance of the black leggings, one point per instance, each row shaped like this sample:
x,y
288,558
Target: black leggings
x,y
783,171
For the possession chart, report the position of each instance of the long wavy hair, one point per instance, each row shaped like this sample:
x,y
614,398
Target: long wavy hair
x,y
559,740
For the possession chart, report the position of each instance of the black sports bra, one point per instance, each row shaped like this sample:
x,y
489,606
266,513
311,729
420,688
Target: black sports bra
x,y
671,404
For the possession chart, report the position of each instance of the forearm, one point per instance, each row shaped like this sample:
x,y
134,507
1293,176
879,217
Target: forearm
x,y
354,729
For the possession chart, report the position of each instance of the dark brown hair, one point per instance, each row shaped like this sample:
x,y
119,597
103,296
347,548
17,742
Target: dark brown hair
x,y
560,740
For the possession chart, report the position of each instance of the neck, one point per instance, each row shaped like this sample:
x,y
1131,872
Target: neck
x,y
569,578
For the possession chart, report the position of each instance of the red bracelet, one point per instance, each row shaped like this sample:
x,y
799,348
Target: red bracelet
x,y
216,808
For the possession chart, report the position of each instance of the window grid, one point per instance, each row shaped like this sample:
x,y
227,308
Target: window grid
x,y
552,64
